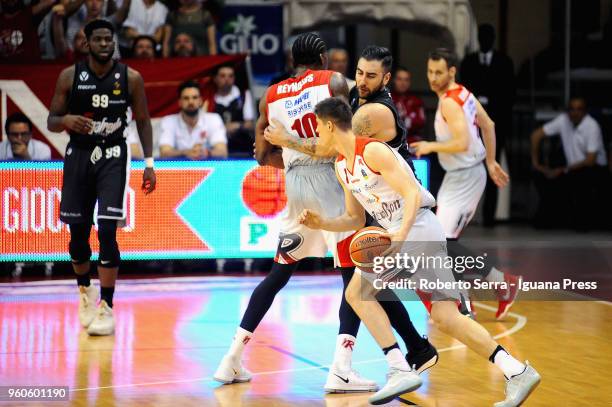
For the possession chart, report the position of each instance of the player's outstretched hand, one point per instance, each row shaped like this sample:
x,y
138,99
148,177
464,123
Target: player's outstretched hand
x,y
275,134
396,244
78,124
497,174
148,181
311,219
420,148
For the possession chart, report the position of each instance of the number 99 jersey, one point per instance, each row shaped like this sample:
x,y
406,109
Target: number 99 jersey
x,y
292,102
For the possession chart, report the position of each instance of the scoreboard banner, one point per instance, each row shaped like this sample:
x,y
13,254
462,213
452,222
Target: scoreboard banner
x,y
200,209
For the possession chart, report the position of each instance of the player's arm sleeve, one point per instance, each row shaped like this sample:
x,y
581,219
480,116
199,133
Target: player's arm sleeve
x,y
555,126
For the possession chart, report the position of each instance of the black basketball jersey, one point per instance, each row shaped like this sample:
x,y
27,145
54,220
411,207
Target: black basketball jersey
x,y
383,96
105,100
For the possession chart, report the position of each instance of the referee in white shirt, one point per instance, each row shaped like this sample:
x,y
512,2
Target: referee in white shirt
x,y
20,145
581,182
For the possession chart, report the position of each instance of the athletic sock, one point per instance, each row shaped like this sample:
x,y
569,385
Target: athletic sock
x,y
508,365
83,279
395,358
344,352
400,321
106,294
495,276
241,338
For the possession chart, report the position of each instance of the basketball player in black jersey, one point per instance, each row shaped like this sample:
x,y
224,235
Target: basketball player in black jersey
x,y
376,117
91,102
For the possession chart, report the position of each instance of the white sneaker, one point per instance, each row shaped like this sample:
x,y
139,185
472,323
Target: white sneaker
x,y
103,323
398,383
230,370
349,381
88,298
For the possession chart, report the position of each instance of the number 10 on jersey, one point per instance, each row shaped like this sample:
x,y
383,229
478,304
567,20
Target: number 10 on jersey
x,y
306,127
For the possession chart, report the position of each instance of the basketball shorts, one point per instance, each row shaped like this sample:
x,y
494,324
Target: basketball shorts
x,y
458,198
432,275
95,174
313,187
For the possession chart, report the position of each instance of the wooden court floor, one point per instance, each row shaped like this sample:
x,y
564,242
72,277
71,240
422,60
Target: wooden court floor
x,y
171,334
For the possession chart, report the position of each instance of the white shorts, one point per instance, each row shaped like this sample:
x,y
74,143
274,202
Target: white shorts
x,y
458,198
312,187
426,240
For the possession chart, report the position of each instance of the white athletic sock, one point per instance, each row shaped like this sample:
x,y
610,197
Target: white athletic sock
x,y
395,358
495,276
507,364
344,352
241,338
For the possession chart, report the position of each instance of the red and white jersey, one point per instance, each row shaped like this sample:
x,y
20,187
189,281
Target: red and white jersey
x,y
292,102
476,151
377,197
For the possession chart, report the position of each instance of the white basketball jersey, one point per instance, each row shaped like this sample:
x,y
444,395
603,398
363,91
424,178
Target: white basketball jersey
x,y
476,151
377,197
292,103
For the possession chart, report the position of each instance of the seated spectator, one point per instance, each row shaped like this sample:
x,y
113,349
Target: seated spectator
x,y
192,133
236,109
192,19
144,47
409,106
80,49
19,23
94,9
570,191
183,46
145,17
20,145
338,62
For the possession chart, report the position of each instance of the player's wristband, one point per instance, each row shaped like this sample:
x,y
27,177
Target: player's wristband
x,y
148,162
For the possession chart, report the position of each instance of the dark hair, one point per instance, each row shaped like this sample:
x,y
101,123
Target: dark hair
x,y
144,37
335,110
446,54
187,85
401,68
307,48
17,118
97,24
376,53
218,68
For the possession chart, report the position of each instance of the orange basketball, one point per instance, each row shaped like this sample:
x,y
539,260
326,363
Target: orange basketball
x,y
263,191
367,244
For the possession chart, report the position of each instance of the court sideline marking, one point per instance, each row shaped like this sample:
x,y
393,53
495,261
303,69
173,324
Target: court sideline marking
x,y
521,321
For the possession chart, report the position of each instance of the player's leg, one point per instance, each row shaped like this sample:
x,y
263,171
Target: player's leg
x,y
360,294
522,378
76,209
112,173
292,247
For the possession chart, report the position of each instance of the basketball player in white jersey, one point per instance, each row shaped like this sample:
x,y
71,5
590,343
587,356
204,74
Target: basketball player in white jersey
x,y
461,153
376,178
310,184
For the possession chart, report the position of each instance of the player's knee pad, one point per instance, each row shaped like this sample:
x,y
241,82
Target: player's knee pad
x,y
109,249
78,247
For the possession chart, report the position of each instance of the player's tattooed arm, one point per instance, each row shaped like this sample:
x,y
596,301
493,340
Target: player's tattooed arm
x,y
374,120
266,153
277,135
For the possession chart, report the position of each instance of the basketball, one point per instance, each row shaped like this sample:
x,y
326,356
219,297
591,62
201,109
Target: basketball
x,y
366,245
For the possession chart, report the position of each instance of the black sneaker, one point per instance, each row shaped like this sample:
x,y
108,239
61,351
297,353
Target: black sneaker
x,y
423,359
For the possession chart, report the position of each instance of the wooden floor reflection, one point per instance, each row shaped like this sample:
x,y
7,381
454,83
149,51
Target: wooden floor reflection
x,y
171,334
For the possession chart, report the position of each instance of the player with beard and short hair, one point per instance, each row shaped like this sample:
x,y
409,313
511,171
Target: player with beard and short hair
x,y
91,101
375,116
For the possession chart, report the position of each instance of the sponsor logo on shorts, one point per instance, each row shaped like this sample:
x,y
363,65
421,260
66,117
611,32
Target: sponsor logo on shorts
x,y
111,209
70,214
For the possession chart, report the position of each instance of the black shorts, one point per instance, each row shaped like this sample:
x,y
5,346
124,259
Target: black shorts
x,y
93,174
